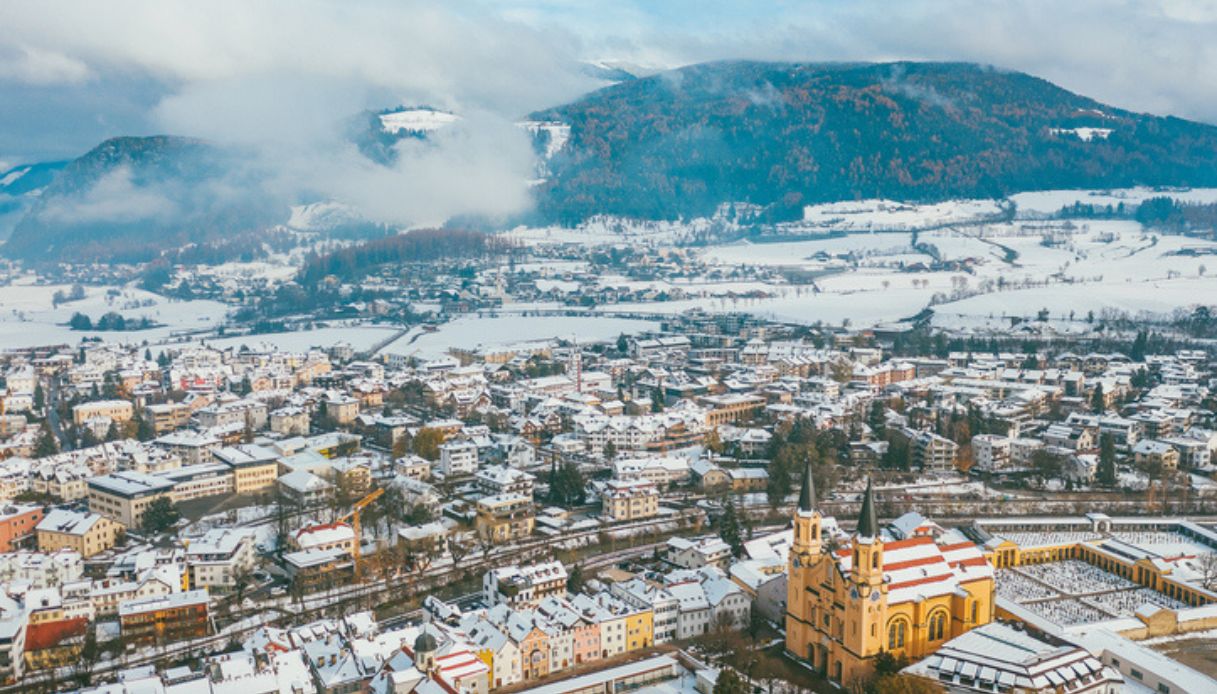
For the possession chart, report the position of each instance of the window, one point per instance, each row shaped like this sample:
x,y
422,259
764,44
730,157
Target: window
x,y
938,625
895,635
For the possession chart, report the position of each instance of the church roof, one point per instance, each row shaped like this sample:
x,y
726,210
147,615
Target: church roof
x,y
868,522
807,495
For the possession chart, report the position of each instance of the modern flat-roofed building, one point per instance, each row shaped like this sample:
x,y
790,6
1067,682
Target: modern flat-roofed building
x,y
254,468
199,481
124,496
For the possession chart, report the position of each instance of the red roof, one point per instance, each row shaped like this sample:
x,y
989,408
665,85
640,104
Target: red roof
x,y
49,634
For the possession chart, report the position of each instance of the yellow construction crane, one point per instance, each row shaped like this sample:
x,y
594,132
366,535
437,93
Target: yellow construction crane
x,y
353,516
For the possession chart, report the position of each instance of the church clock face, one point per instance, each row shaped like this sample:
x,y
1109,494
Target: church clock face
x,y
874,597
854,593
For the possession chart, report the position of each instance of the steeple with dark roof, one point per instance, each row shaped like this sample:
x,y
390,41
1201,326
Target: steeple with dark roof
x,y
807,495
868,523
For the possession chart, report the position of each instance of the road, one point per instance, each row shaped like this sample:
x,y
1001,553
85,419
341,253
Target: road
x,y
52,414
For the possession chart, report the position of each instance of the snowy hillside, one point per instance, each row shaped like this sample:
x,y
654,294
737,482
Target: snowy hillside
x,y
416,121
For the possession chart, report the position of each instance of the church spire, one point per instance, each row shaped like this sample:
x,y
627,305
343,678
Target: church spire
x,y
868,523
807,495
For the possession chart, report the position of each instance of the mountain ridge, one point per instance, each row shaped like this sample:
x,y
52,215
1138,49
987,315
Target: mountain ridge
x,y
782,135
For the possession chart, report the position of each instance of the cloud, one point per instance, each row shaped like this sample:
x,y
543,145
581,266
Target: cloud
x,y
115,198
277,80
278,83
1148,55
37,66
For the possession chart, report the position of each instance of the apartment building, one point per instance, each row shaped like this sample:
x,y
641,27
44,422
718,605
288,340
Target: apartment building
x,y
164,619
625,500
254,468
505,517
116,410
86,533
17,524
124,496
218,560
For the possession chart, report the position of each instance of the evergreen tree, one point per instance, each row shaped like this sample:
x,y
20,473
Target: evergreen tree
x,y
1106,473
1137,351
47,445
567,486
144,430
876,420
574,579
159,516
1097,399
729,682
39,397
730,530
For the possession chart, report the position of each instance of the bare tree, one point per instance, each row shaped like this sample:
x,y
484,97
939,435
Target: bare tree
x,y
1208,569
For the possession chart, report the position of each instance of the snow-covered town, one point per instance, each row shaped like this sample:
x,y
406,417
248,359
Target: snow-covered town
x,y
483,522
730,347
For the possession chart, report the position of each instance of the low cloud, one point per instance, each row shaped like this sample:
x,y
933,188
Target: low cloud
x,y
115,199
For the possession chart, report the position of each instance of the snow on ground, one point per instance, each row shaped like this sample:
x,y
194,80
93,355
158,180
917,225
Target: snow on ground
x,y
613,231
559,134
802,305
493,332
319,216
1083,134
12,176
1045,202
800,253
360,337
869,215
28,317
416,120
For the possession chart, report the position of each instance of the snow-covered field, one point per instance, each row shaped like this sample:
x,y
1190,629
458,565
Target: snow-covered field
x,y
870,215
1045,202
28,317
473,332
416,120
359,337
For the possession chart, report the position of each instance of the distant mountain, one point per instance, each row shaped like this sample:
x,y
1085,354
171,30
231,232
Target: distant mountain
x,y
781,135
377,132
131,197
29,178
20,186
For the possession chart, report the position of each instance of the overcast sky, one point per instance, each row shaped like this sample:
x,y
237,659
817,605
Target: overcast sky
x,y
75,72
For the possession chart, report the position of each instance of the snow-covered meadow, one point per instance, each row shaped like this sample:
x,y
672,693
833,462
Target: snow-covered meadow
x,y
28,316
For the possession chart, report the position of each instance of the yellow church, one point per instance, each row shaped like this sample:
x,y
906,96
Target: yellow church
x,y
905,593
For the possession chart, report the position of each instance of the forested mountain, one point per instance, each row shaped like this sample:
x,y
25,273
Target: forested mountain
x,y
131,197
783,135
670,145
